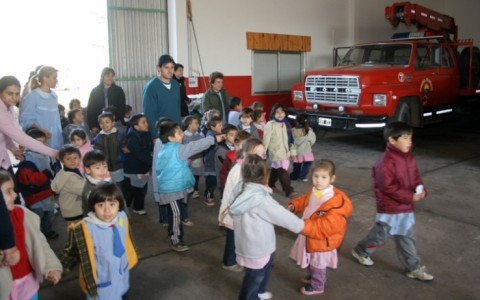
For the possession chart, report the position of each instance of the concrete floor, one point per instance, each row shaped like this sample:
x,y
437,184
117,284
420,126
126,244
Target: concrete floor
x,y
447,228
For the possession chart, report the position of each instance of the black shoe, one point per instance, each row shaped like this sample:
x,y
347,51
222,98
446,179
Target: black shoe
x,y
51,235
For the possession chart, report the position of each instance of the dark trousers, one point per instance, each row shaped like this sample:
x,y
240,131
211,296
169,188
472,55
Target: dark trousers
x,y
162,214
183,210
175,227
255,281
134,194
197,179
46,217
300,170
210,186
229,256
284,178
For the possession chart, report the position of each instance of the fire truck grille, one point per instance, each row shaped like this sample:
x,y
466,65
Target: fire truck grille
x,y
340,90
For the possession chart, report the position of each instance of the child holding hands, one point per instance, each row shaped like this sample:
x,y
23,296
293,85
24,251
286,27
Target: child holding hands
x,y
328,209
37,260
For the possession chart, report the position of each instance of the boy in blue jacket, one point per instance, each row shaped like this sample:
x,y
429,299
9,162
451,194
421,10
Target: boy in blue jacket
x,y
174,178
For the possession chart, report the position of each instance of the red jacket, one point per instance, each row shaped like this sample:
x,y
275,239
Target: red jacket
x,y
326,227
395,176
226,167
34,185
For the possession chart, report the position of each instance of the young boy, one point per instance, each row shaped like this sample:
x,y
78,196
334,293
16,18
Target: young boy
x,y
96,171
234,113
75,119
223,148
138,162
246,122
174,178
192,133
214,128
34,177
111,142
398,185
69,183
63,119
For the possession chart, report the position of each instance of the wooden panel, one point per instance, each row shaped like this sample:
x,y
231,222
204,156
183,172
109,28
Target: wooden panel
x,y
278,42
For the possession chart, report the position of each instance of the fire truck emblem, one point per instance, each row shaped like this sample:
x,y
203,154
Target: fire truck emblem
x,y
426,87
401,77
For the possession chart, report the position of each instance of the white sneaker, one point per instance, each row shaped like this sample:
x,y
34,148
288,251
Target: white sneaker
x,y
420,274
195,194
140,212
363,260
265,296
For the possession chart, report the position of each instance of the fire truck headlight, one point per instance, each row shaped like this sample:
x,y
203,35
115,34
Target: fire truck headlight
x,y
379,100
298,95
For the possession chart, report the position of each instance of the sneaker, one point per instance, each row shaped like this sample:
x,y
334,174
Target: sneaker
x,y
209,201
195,194
366,261
186,222
140,212
265,295
309,291
51,235
233,268
180,247
420,274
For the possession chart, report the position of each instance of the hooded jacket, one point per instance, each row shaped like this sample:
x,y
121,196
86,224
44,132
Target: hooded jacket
x,y
326,228
254,213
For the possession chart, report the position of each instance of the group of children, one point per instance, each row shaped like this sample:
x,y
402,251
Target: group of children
x,y
93,199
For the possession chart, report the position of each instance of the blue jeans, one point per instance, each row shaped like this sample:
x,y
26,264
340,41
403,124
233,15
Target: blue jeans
x,y
255,281
46,217
229,256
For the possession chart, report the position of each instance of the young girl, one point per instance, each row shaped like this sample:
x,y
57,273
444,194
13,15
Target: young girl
x,y
327,209
254,214
250,146
102,244
304,139
79,140
37,260
278,140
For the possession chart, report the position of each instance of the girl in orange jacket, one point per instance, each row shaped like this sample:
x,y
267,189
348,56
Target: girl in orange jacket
x,y
325,209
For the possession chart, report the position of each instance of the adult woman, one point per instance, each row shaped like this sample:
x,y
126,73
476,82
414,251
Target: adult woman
x,y
40,107
107,93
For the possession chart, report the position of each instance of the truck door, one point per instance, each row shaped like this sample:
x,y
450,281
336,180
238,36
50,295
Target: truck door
x,y
427,76
446,74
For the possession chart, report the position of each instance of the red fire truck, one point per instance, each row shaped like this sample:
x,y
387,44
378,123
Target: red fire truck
x,y
411,78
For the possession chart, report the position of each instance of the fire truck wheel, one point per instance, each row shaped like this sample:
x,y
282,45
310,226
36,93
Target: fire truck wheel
x,y
320,132
403,113
464,62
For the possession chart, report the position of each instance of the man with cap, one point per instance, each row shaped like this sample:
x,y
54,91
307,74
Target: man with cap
x,y
161,95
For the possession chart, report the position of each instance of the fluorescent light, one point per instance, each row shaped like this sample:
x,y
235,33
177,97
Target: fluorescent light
x,y
445,111
375,125
292,117
427,114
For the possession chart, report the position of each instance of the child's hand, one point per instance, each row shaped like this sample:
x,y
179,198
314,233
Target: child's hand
x,y
53,276
125,150
419,196
291,208
220,137
9,257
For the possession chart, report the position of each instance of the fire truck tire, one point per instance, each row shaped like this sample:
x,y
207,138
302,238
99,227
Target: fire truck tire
x,y
320,132
464,63
403,113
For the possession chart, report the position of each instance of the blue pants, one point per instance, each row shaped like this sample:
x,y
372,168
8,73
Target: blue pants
x,y
405,244
300,170
255,281
210,186
229,256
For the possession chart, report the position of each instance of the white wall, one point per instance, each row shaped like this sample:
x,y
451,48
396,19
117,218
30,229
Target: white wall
x,y
221,27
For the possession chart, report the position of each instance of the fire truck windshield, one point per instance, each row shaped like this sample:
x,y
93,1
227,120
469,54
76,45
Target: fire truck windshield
x,y
378,54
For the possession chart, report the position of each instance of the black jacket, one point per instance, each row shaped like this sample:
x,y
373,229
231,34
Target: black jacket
x,y
184,100
96,103
139,159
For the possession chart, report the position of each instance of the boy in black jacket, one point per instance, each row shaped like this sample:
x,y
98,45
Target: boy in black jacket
x,y
137,164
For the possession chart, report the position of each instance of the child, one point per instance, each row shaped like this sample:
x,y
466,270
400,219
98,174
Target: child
x,y
231,156
37,260
192,133
63,119
75,119
138,162
250,146
259,122
257,106
78,138
234,113
223,148
398,185
246,122
111,142
102,244
214,128
74,104
96,171
304,139
128,115
69,183
254,214
34,177
207,116
278,141
174,178
328,209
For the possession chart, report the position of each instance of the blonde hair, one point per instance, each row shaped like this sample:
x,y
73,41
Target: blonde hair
x,y
37,79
